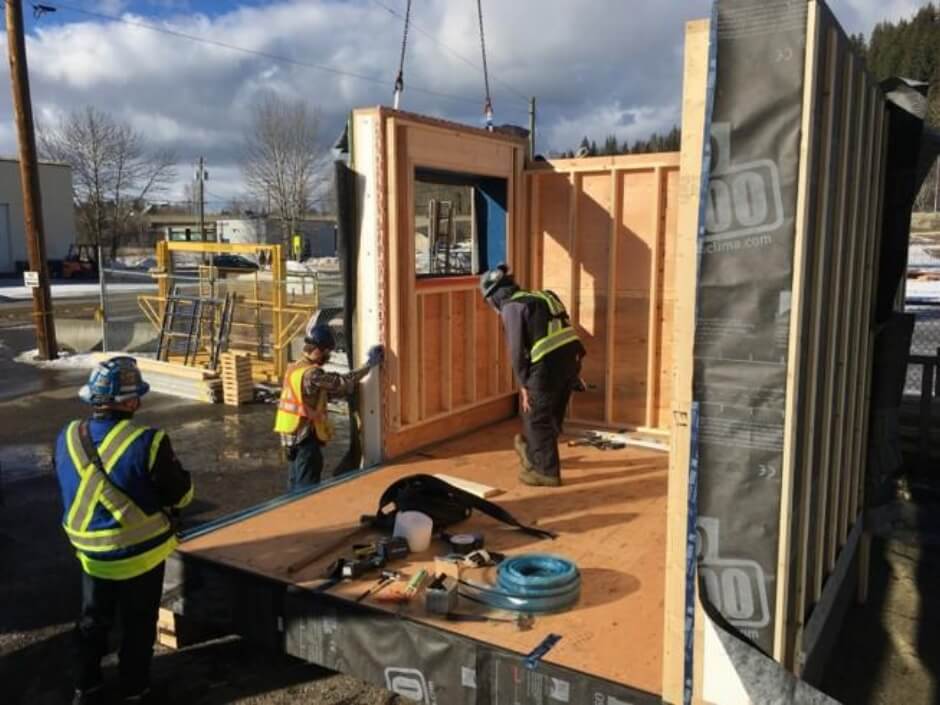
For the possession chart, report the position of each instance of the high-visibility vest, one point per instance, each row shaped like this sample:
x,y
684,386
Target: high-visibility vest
x,y
559,332
113,518
292,411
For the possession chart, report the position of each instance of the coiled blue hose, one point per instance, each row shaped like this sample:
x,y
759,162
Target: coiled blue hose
x,y
535,582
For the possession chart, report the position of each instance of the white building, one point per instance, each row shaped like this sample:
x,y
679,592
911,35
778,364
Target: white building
x,y
318,232
58,214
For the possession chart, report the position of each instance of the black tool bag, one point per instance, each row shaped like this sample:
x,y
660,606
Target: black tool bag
x,y
440,500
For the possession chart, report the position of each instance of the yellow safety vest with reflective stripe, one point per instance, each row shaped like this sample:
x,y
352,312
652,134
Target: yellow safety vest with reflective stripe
x,y
135,527
292,411
559,332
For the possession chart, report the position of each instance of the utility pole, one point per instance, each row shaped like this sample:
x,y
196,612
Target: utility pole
x,y
29,178
200,176
532,127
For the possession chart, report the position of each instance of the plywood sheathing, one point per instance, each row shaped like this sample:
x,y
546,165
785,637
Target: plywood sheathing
x,y
610,517
602,235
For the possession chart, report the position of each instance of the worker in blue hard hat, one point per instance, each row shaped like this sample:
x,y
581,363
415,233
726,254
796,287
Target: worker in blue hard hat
x,y
302,416
546,354
121,483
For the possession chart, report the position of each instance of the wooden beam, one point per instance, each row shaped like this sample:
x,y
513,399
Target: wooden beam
x,y
800,347
616,195
842,300
447,355
395,368
655,301
831,303
848,343
574,306
820,49
694,83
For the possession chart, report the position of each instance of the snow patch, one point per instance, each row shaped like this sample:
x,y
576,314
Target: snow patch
x,y
65,361
73,291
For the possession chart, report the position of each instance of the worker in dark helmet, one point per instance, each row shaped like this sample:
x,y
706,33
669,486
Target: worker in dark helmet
x,y
546,358
302,415
121,485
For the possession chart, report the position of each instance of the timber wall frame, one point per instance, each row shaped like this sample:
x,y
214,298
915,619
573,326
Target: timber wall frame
x,y
838,228
600,232
602,236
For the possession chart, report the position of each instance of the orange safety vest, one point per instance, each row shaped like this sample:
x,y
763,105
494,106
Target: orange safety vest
x,y
291,409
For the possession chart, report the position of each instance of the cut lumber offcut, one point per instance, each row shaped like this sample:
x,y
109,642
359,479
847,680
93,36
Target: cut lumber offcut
x,y
237,383
475,488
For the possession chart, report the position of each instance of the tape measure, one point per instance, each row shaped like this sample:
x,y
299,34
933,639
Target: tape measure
x,y
464,543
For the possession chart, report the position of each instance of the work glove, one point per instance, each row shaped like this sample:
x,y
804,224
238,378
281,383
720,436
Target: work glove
x,y
376,356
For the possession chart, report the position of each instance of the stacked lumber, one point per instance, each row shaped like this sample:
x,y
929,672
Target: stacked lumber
x,y
176,380
238,386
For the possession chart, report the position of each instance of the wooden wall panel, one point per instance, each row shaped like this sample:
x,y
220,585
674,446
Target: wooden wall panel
x,y
447,365
603,233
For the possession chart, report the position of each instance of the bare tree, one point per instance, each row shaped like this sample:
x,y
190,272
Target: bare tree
x,y
280,158
113,172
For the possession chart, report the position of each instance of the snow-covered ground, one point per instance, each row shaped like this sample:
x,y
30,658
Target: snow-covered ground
x,y
65,361
314,264
82,290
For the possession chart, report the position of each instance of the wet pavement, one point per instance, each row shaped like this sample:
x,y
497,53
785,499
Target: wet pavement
x,y
236,462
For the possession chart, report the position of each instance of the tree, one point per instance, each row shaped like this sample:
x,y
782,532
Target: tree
x,y
610,145
113,172
280,158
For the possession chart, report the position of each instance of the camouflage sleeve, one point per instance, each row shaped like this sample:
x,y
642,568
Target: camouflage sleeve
x,y
335,384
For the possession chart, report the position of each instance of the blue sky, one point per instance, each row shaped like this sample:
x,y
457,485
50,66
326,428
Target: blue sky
x,y
596,66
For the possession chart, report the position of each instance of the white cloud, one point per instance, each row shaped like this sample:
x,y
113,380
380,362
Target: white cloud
x,y
597,67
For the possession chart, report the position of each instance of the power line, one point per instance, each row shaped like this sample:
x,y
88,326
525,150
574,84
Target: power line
x,y
252,52
454,52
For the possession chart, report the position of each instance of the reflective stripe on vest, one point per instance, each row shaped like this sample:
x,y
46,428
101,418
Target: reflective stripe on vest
x,y
135,526
559,333
291,409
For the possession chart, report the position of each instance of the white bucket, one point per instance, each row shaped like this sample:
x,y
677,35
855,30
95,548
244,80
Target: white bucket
x,y
416,528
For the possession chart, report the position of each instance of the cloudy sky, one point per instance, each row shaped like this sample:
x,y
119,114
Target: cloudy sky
x,y
596,66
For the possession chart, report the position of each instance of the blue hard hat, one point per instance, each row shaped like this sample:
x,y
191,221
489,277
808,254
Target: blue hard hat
x,y
322,336
114,381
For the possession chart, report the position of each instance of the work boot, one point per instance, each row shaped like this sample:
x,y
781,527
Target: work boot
x,y
537,479
522,450
89,696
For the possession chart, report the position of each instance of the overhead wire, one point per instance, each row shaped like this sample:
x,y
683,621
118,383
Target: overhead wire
x,y
253,52
450,50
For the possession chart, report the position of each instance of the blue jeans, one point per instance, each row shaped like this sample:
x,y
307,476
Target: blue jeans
x,y
306,464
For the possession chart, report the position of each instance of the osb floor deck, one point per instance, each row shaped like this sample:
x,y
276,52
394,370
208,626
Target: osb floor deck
x,y
610,516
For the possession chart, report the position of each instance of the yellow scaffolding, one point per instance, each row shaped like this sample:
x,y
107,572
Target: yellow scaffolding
x,y
288,319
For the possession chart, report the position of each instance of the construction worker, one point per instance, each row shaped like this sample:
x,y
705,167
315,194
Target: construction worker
x,y
546,358
302,415
120,483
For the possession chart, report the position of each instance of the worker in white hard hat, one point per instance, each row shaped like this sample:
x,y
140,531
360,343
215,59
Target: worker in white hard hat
x,y
302,415
121,483
546,359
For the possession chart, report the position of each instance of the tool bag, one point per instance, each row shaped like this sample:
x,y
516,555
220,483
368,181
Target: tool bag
x,y
444,503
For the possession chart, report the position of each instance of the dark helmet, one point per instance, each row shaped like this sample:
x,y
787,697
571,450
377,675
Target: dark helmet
x,y
321,336
494,279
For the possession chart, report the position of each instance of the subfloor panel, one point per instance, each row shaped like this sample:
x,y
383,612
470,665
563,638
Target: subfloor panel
x,y
610,517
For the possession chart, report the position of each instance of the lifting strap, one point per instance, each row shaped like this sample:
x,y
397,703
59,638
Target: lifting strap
x,y
400,79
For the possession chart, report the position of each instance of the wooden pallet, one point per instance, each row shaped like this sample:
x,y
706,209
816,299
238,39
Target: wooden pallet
x,y
237,384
